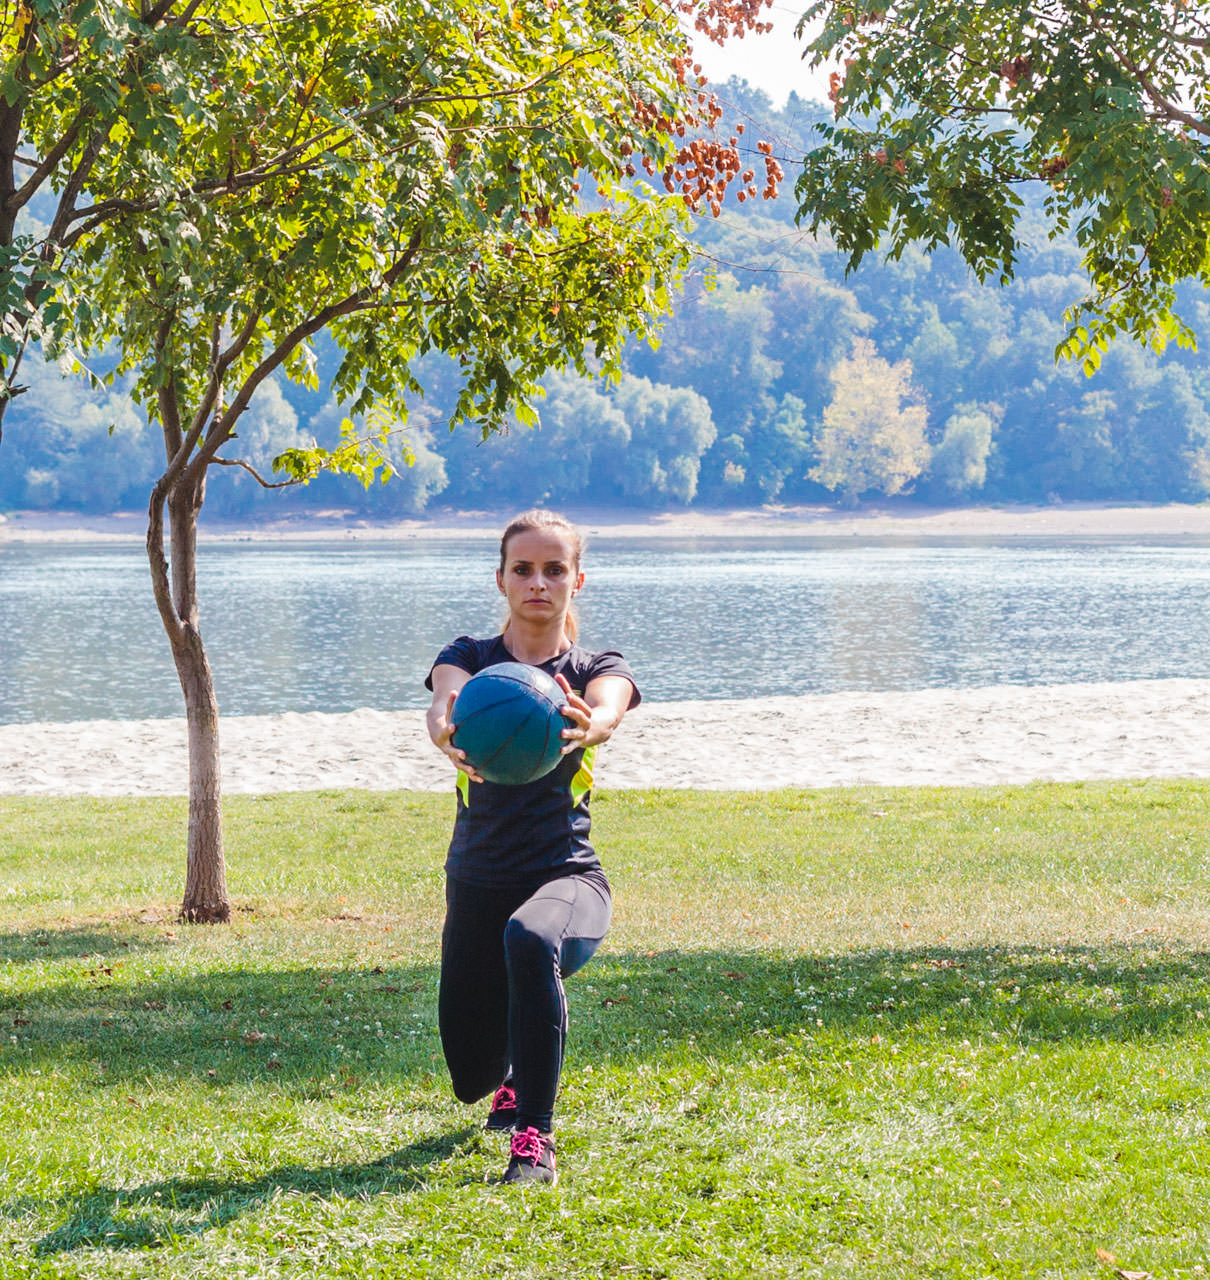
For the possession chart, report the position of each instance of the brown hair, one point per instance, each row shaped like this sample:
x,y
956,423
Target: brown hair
x,y
538,518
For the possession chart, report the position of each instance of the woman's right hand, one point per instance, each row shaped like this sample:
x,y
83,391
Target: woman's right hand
x,y
441,730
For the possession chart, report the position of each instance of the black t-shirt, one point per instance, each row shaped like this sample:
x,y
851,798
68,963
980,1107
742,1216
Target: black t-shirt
x,y
528,834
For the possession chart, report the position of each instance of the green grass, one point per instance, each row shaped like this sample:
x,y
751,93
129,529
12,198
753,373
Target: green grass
x,y
876,1033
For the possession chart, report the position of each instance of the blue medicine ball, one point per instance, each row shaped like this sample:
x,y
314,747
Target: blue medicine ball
x,y
507,720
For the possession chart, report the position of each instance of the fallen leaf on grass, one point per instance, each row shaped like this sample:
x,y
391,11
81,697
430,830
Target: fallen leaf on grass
x,y
253,1037
1103,1255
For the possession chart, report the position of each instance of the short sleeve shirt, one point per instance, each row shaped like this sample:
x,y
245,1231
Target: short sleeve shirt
x,y
518,836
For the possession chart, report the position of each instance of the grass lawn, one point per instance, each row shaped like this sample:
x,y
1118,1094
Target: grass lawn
x,y
877,1033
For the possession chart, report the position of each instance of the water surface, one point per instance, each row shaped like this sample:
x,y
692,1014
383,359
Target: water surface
x,y
336,626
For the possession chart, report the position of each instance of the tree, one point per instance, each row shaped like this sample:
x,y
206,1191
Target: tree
x,y
76,447
235,179
716,344
946,111
667,430
579,423
871,441
959,461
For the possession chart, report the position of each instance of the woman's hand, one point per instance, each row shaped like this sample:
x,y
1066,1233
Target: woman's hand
x,y
441,730
593,721
580,714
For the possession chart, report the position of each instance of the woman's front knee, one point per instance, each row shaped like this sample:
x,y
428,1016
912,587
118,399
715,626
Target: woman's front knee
x,y
467,1091
472,1082
524,946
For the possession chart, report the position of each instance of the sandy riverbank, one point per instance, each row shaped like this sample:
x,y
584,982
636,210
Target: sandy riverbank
x,y
974,737
890,520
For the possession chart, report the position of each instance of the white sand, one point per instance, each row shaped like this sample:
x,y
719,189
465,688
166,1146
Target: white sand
x,y
891,518
976,737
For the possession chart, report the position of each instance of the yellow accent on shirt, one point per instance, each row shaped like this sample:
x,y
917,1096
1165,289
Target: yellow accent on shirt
x,y
581,784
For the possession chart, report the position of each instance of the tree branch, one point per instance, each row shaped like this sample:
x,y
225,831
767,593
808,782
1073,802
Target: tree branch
x,y
182,19
220,362
256,475
222,427
1160,100
170,407
157,13
51,162
75,184
161,586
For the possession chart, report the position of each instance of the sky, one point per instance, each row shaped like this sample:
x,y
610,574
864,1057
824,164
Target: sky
x,y
772,61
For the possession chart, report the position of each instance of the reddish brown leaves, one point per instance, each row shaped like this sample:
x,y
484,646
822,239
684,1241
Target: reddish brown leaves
x,y
1014,70
703,169
719,19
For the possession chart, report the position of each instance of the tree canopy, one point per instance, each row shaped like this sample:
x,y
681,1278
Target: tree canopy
x,y
945,111
405,174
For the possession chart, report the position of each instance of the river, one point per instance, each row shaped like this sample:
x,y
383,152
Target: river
x,y
333,626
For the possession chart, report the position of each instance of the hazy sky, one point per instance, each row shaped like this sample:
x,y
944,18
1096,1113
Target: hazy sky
x,y
772,62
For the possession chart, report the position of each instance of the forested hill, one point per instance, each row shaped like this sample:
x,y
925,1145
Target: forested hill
x,y
778,379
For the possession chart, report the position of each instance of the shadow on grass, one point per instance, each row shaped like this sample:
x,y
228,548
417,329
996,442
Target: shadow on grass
x,y
1069,993
78,942
297,1027
153,1215
312,1032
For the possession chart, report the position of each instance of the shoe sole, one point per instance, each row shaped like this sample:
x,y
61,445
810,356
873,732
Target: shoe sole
x,y
530,1182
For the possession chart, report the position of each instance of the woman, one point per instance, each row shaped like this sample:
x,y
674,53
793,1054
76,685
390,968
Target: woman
x,y
526,900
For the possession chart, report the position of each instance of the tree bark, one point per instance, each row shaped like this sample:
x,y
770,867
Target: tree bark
x,y
205,900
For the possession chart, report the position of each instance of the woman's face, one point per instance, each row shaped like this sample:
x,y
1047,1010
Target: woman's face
x,y
540,575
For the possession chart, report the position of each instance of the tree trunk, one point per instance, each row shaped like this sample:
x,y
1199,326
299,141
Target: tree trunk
x,y
205,898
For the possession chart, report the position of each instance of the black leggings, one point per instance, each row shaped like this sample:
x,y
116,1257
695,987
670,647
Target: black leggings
x,y
504,954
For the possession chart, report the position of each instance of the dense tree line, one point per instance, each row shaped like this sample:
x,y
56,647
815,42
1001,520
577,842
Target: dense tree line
x,y
779,378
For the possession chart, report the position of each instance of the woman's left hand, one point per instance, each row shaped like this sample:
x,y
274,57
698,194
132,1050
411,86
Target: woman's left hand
x,y
598,713
579,734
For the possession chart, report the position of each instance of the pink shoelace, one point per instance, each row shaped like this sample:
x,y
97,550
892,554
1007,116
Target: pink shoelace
x,y
505,1099
527,1145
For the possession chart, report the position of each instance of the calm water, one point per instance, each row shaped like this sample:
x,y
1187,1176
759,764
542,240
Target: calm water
x,y
332,627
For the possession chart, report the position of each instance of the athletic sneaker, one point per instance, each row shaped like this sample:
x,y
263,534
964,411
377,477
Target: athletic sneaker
x,y
504,1109
531,1157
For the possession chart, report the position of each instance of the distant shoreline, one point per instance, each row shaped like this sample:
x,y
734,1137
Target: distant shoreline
x,y
885,520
